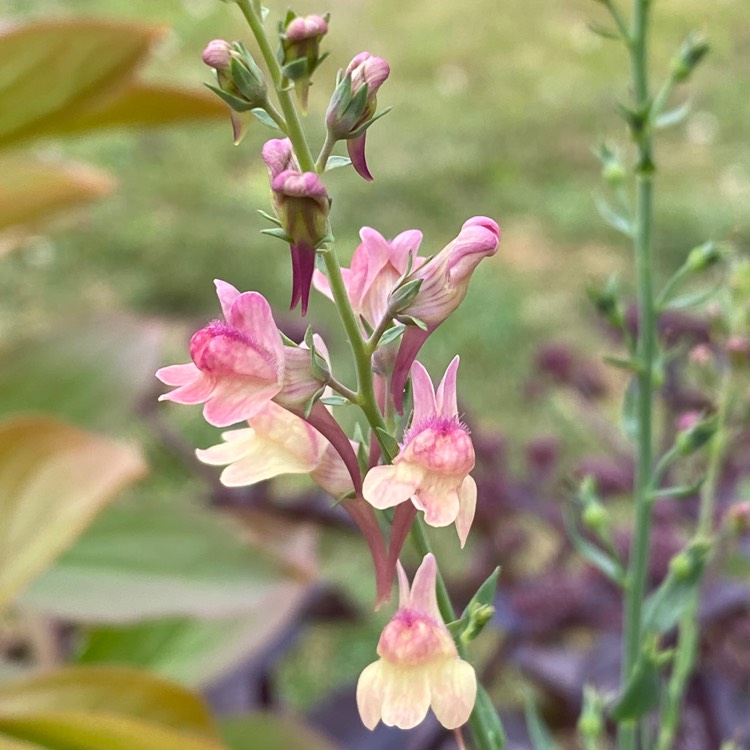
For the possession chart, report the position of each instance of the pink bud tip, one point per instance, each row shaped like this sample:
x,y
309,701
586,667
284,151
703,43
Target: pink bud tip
x,y
218,54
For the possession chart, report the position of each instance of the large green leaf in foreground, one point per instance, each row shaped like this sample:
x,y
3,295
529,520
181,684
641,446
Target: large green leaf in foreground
x,y
54,479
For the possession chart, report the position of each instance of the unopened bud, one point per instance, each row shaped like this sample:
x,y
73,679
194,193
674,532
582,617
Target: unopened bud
x,y
241,82
218,54
690,440
703,256
738,518
300,50
692,51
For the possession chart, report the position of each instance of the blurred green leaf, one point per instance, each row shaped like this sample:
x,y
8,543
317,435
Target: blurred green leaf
x,y
145,559
270,732
52,69
540,735
193,652
31,188
641,693
88,371
115,690
54,479
81,730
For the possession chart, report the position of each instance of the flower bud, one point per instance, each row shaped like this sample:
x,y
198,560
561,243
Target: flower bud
x,y
737,518
702,257
353,105
302,205
738,349
241,82
692,51
696,436
300,50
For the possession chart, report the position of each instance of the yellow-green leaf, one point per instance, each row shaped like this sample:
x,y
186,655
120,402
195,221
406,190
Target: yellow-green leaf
x,y
113,690
31,189
137,105
271,732
81,730
54,479
51,69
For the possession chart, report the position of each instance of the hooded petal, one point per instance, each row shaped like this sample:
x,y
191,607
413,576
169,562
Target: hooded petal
x,y
251,314
386,486
425,407
467,502
406,697
453,691
370,694
423,591
402,246
446,399
227,294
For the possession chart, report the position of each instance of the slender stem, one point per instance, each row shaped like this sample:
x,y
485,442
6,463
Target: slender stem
x,y
294,130
639,554
341,389
325,152
686,649
619,21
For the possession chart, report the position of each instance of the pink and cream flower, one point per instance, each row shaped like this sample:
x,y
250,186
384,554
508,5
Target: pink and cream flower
x,y
275,442
433,465
419,666
377,264
238,363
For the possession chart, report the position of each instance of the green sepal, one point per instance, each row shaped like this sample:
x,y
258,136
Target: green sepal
x,y
664,608
335,400
318,364
388,442
365,125
392,334
278,233
403,296
355,107
251,87
237,104
309,405
263,117
411,320
296,69
336,162
273,219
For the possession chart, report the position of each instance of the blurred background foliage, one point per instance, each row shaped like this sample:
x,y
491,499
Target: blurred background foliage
x,y
496,110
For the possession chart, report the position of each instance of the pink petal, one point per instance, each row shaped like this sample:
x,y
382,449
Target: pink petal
x,y
370,693
178,374
467,504
423,595
236,400
321,283
386,486
445,398
251,314
195,392
227,294
406,698
453,692
424,395
356,149
402,246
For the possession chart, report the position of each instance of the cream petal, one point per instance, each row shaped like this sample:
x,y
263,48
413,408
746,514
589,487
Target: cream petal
x,y
467,505
238,443
406,698
386,486
438,498
453,692
370,692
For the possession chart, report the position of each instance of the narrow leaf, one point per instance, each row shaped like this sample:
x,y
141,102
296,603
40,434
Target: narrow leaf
x,y
601,560
541,737
613,218
335,162
673,116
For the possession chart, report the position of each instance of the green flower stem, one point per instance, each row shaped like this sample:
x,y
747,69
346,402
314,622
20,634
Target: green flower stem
x,y
686,650
294,128
485,724
646,348
325,152
276,116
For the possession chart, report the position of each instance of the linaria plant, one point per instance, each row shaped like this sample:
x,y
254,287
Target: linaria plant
x,y
413,465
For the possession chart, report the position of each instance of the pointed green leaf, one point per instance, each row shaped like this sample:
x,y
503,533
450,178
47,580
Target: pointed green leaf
x,y
336,162
641,693
264,118
613,218
541,737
